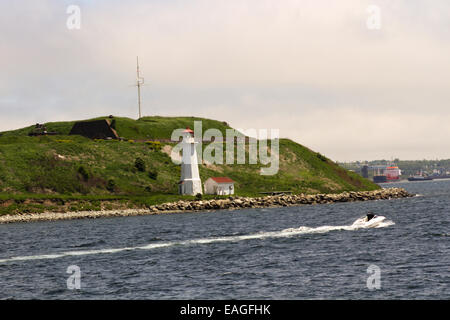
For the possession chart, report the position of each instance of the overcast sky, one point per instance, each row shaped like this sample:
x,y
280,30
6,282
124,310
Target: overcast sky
x,y
312,69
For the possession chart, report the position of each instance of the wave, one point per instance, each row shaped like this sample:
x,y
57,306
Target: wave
x,y
377,222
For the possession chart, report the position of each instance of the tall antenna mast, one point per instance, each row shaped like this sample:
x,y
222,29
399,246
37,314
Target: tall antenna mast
x,y
139,83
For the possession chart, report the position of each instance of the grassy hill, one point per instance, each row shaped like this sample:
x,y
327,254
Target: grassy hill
x,y
144,128
73,167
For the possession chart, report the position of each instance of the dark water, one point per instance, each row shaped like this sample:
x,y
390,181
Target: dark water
x,y
239,254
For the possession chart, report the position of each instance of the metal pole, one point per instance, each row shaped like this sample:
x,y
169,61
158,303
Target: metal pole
x,y
138,86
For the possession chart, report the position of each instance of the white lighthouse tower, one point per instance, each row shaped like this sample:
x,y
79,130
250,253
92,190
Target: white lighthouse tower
x,y
190,182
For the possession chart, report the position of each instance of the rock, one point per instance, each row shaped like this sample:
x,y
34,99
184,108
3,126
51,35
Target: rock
x,y
229,203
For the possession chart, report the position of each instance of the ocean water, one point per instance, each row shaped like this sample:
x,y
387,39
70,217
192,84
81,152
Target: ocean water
x,y
305,252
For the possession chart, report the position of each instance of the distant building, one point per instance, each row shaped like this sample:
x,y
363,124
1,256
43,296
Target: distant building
x,y
365,171
97,129
190,182
219,186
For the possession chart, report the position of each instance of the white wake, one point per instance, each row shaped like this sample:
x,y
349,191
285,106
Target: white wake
x,y
376,222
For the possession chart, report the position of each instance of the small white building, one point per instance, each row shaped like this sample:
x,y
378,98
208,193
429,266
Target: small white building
x,y
219,186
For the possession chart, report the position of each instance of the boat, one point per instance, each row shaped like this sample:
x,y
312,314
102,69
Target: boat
x,y
420,178
387,174
379,179
392,173
442,176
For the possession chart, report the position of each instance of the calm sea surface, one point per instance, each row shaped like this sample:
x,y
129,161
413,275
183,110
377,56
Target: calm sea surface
x,y
306,252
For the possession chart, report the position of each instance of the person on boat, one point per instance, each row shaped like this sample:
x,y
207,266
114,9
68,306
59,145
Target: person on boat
x,y
370,216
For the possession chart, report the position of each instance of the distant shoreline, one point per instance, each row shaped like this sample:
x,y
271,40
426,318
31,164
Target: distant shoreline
x,y
232,203
384,184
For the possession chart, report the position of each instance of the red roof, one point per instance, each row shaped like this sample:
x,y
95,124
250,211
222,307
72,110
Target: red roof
x,y
222,179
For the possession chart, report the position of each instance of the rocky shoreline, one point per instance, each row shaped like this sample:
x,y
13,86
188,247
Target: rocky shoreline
x,y
231,203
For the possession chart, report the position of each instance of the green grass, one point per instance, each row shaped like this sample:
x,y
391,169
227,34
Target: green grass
x,y
144,128
80,170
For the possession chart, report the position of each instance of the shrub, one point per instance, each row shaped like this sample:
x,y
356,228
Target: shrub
x,y
111,185
198,196
139,164
154,145
153,174
84,174
321,157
